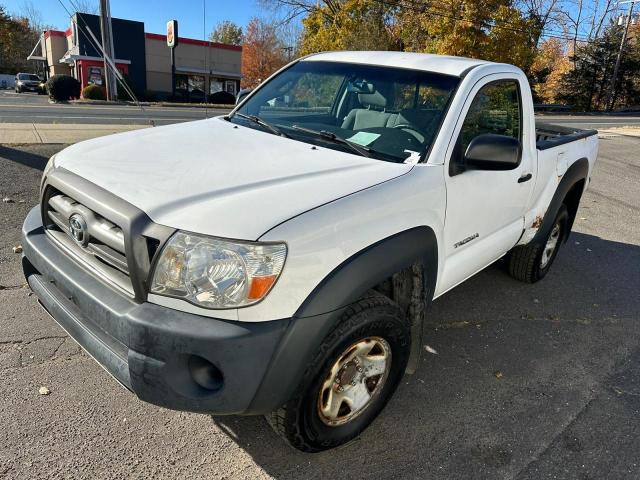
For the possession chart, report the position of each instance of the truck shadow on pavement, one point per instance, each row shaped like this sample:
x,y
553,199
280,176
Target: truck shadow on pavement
x,y
514,388
25,157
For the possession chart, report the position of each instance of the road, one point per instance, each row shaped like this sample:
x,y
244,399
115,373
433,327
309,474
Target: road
x,y
32,108
592,121
529,382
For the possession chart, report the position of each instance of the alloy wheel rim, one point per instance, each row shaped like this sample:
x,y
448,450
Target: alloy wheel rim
x,y
354,381
550,246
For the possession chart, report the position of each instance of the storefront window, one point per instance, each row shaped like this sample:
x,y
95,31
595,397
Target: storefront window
x,y
190,87
95,75
231,87
215,86
196,82
182,82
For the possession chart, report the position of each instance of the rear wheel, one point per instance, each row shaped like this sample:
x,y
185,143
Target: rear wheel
x,y
353,375
530,263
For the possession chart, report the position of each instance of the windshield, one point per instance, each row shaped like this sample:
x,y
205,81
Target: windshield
x,y
28,76
389,113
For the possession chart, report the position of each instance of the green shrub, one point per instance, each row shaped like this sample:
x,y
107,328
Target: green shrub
x,y
94,92
222,98
63,87
150,96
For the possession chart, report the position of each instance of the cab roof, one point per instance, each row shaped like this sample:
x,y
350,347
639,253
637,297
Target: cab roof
x,y
416,61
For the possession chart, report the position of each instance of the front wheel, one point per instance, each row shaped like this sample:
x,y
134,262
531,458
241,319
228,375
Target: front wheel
x,y
530,263
352,377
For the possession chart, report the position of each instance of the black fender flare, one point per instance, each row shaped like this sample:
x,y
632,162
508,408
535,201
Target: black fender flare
x,y
574,174
322,309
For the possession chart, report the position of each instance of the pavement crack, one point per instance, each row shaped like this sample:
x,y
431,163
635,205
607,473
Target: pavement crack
x,y
537,456
58,348
613,200
620,391
47,337
36,133
12,287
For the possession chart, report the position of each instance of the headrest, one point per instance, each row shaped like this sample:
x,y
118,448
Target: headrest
x,y
374,99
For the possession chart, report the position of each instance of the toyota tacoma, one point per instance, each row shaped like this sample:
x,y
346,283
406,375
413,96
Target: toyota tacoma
x,y
279,260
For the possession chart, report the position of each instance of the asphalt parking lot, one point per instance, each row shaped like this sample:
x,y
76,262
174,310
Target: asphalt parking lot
x,y
529,381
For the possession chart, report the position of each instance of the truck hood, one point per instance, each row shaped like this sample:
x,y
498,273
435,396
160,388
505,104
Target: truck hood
x,y
218,178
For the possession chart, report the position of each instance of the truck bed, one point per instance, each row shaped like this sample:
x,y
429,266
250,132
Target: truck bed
x,y
549,136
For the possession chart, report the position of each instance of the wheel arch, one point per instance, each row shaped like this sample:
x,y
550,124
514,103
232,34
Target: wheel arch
x,y
371,266
570,189
403,265
572,201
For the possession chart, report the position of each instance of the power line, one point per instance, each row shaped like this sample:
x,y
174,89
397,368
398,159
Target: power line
x,y
98,48
504,24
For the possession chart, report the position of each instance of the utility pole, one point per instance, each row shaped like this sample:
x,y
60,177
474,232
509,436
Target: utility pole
x,y
289,51
107,47
614,78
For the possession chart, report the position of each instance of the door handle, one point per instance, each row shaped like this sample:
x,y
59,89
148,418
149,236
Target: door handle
x,y
525,178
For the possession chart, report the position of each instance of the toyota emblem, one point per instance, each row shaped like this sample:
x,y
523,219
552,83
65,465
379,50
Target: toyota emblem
x,y
78,229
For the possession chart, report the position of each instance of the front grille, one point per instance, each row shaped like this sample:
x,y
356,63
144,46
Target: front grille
x,y
101,245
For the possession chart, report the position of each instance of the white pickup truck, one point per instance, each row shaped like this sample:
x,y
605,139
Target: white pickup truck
x,y
279,260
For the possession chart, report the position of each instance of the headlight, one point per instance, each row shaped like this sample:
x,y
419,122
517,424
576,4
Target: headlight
x,y
19,82
215,273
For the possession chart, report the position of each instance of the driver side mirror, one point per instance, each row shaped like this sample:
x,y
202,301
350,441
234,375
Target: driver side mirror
x,y
493,152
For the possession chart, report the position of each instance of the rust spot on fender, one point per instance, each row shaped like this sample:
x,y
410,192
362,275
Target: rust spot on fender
x,y
537,223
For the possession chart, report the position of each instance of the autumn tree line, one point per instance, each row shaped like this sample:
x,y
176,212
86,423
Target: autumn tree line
x,y
567,48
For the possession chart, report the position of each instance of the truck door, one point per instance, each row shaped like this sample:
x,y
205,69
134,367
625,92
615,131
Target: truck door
x,y
485,208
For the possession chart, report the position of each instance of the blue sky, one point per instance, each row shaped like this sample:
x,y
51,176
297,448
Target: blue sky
x,y
154,13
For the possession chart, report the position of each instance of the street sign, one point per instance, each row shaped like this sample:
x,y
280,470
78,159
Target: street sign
x,y
172,33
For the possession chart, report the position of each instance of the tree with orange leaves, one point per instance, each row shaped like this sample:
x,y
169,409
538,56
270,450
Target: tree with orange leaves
x,y
549,67
262,52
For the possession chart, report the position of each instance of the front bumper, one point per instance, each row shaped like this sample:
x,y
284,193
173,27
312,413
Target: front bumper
x,y
30,88
166,357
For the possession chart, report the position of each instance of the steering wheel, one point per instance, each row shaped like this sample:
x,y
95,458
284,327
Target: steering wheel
x,y
420,134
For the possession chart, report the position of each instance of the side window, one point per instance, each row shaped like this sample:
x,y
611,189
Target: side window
x,y
495,109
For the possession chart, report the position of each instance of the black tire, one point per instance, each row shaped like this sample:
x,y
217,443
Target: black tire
x,y
526,261
299,421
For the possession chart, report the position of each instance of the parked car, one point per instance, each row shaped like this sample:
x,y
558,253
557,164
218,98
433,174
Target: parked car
x,y
278,260
29,82
551,107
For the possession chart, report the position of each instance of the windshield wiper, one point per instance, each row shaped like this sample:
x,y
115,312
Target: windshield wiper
x,y
261,122
360,150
